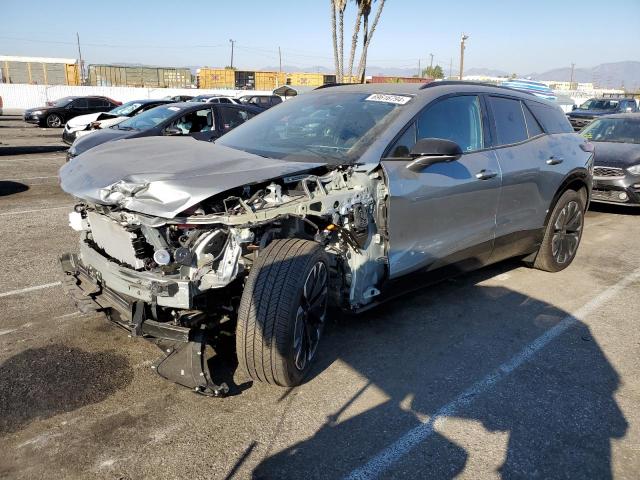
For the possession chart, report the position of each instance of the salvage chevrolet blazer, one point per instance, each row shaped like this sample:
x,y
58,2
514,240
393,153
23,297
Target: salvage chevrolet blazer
x,y
335,198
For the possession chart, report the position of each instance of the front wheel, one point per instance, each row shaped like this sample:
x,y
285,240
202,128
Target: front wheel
x,y
563,234
282,312
54,120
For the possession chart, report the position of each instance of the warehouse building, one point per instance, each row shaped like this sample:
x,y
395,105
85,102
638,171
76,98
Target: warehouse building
x,y
39,70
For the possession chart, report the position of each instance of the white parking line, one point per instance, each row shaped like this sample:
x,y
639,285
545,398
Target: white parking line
x,y
401,447
29,289
20,212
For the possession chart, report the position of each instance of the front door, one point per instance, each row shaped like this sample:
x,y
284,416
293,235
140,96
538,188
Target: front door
x,y
445,213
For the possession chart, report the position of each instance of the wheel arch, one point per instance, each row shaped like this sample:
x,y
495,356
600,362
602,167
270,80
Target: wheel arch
x,y
578,181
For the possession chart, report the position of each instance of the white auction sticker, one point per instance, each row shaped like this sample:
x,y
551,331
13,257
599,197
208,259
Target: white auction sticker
x,y
175,109
382,97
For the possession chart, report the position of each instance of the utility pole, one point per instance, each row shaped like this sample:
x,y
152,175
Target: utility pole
x,y
431,64
80,65
280,56
232,43
573,65
419,69
462,40
450,68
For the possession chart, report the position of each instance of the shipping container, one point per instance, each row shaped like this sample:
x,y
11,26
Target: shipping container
x,y
148,77
216,78
39,70
303,79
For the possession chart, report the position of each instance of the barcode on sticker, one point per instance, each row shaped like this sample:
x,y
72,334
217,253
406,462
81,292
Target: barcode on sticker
x,y
382,97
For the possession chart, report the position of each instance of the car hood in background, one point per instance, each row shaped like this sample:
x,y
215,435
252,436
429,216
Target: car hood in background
x,y
84,120
163,176
612,154
578,113
82,144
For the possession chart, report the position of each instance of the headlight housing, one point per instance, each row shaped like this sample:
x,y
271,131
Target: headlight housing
x,y
37,112
635,170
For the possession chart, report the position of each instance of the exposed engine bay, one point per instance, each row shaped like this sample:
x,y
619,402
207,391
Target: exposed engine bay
x,y
189,271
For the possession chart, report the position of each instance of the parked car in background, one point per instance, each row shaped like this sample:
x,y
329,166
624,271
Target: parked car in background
x,y
1,104
56,114
84,124
179,98
344,196
262,101
214,99
616,172
201,121
593,108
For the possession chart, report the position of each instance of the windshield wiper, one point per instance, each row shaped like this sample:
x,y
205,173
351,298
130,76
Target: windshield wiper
x,y
125,128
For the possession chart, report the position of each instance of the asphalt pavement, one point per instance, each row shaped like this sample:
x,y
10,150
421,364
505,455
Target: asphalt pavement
x,y
507,372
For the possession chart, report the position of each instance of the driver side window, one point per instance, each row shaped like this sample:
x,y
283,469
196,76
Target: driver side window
x,y
458,119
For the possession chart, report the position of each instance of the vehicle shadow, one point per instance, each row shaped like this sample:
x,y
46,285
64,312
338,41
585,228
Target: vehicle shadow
x,y
36,383
422,351
614,209
8,187
24,149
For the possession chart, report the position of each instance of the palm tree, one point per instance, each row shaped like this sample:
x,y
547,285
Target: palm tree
x,y
362,6
341,5
334,35
368,35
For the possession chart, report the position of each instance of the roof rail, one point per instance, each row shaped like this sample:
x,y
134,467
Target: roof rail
x,y
334,84
467,82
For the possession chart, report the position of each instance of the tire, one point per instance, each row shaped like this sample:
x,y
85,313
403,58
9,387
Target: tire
x,y
54,120
563,233
282,312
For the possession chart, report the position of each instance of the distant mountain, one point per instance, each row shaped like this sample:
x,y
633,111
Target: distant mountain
x,y
487,72
607,75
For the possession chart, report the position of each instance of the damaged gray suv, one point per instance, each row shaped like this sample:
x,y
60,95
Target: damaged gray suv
x,y
343,197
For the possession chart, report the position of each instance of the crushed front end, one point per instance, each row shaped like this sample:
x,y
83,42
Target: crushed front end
x,y
179,280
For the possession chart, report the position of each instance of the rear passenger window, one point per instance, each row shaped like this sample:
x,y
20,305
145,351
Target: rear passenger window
x,y
553,120
232,117
533,127
509,119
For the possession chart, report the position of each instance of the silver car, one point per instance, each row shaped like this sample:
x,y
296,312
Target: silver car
x,y
344,197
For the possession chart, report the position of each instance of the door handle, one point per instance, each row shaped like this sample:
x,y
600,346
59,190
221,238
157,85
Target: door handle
x,y
486,174
555,161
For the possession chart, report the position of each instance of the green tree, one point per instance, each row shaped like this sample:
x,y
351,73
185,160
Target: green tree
x,y
433,72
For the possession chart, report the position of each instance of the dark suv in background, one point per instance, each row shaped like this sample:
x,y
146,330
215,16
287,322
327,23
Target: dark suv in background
x,y
55,114
596,107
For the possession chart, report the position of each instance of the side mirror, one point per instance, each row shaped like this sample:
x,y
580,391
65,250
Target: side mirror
x,y
428,151
172,131
574,107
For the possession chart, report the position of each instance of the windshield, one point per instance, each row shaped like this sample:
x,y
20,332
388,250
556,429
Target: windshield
x,y
148,119
335,127
125,109
620,130
63,102
595,104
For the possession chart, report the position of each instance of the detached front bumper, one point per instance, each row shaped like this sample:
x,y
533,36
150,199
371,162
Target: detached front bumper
x,y
622,191
69,136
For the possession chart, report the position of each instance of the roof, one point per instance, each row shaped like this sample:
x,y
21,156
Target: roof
x,y
429,89
9,58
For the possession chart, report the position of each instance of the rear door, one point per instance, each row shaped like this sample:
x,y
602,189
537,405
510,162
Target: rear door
x,y
525,154
230,116
445,213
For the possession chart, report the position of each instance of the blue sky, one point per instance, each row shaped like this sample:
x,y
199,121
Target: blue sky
x,y
506,35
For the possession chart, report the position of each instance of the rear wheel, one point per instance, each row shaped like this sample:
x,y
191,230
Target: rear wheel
x,y
282,312
54,120
563,234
